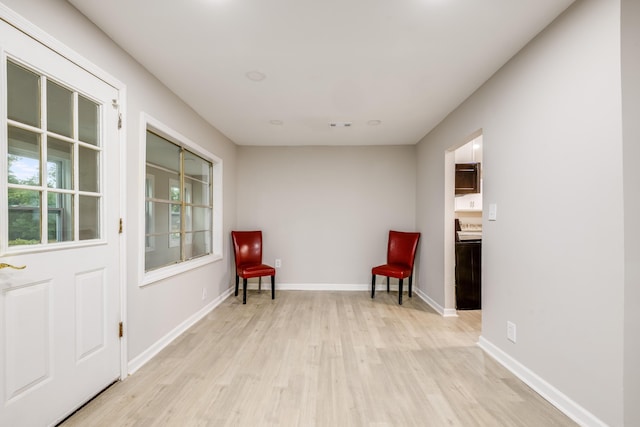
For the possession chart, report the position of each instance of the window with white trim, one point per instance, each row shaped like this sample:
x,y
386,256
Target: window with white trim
x,y
179,210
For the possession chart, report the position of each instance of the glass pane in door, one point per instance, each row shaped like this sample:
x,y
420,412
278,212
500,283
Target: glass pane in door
x,y
23,160
87,120
88,168
59,109
60,217
89,217
59,164
24,217
23,95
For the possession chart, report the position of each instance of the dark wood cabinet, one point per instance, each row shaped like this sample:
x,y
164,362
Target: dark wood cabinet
x,y
467,178
468,275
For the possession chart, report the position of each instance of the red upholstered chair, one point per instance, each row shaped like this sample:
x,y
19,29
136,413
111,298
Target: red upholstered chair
x,y
247,247
401,254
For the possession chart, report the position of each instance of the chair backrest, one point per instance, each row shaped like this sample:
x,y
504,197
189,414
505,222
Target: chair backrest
x,y
402,248
247,246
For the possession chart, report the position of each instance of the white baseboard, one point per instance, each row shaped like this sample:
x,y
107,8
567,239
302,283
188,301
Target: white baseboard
x,y
266,284
558,399
444,312
139,361
322,287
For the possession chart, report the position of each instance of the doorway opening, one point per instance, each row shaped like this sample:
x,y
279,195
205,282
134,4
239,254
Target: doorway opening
x,y
463,213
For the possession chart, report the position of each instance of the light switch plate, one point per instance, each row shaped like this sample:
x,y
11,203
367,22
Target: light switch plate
x,y
493,212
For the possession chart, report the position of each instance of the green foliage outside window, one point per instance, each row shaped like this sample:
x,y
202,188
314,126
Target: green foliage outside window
x,y
24,210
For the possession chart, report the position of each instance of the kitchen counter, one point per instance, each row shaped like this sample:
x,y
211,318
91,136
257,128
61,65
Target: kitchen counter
x,y
464,236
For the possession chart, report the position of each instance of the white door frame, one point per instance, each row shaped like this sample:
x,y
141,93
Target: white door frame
x,y
47,40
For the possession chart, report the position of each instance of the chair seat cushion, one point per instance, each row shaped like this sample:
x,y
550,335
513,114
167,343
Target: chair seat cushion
x,y
255,270
398,271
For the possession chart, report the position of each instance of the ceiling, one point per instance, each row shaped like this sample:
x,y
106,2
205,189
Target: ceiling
x,y
391,69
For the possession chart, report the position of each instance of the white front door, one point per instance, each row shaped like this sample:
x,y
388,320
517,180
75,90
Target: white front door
x,y
59,215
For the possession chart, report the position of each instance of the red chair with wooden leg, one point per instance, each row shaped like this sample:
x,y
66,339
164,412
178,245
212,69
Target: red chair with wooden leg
x,y
401,254
247,247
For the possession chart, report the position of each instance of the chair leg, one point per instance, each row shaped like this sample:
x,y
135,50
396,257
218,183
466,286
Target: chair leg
x,y
273,287
237,280
400,291
388,284
259,284
373,286
244,290
410,285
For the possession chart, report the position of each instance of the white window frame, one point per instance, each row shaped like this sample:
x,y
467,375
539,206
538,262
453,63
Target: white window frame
x,y
148,123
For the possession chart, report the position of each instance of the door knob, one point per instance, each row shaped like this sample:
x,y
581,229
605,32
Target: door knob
x,y
3,265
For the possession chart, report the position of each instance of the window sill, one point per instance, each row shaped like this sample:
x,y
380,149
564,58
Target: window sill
x,y
174,270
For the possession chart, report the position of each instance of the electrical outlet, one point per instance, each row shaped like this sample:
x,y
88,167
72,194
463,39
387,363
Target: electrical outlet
x,y
278,263
511,331
204,294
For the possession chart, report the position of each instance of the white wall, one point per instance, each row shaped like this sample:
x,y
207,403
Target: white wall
x,y
631,145
326,211
153,311
551,122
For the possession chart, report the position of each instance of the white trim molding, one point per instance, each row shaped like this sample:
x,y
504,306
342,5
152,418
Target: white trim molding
x,y
444,312
149,123
338,287
140,360
347,287
266,284
554,396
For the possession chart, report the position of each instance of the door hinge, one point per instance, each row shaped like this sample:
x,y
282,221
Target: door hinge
x,y
120,227
115,104
120,330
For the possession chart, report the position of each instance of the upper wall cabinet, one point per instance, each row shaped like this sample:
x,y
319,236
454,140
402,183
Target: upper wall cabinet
x,y
467,178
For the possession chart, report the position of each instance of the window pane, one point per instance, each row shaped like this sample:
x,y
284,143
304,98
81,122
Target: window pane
x,y
174,189
163,153
23,161
198,192
159,213
59,109
87,120
60,217
174,225
59,164
24,217
184,221
196,167
200,244
23,95
88,168
89,217
201,219
166,246
162,255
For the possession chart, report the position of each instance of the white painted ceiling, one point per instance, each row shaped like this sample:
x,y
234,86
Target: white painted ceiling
x,y
404,63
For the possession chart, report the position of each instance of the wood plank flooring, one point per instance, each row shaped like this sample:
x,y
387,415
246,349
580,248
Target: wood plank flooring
x,y
323,359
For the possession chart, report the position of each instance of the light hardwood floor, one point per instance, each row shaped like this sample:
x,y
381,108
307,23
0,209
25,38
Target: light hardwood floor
x,y
323,359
